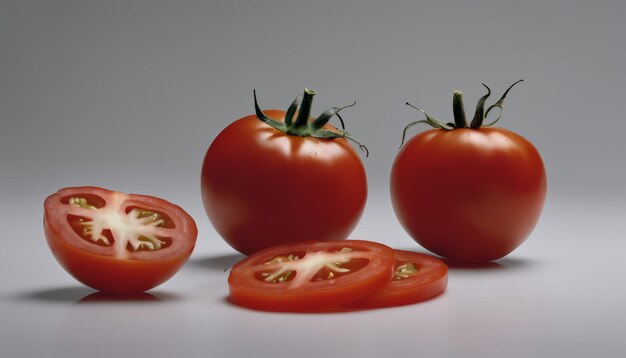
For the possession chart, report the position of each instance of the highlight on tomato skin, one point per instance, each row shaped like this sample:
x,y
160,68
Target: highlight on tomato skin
x,y
310,276
115,242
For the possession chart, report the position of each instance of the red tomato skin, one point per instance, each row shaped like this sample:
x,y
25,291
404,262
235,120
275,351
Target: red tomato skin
x,y
261,187
108,273
470,195
431,282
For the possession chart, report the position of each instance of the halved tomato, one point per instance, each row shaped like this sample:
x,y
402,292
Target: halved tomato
x,y
117,242
418,277
310,275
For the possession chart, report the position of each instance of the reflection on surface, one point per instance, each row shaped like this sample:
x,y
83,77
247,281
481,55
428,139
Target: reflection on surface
x,y
82,294
105,326
103,297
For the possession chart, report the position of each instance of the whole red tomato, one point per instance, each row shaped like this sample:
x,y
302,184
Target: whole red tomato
x,y
270,179
468,193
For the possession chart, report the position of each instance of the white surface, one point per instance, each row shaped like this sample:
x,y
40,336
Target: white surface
x,y
560,295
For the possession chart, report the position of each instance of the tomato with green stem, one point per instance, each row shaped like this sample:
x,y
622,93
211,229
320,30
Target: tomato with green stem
x,y
116,242
311,275
470,193
281,176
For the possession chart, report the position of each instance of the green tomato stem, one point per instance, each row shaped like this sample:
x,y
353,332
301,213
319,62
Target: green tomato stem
x,y
459,113
457,108
479,115
302,126
302,120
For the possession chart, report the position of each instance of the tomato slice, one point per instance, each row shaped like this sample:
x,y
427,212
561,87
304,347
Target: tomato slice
x,y
310,275
418,277
117,242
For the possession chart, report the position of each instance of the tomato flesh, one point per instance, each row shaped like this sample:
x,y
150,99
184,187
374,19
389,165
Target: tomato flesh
x,y
115,242
417,277
309,276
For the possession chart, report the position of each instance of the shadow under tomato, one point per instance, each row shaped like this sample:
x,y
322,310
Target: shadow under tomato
x,y
59,295
81,294
484,266
506,263
103,297
220,262
516,263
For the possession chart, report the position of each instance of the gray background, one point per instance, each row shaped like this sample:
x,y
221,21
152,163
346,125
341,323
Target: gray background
x,y
129,94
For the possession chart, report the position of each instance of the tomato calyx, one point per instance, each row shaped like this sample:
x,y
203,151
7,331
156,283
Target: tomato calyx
x,y
304,127
459,113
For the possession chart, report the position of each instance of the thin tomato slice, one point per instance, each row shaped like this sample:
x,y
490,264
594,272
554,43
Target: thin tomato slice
x,y
310,275
116,242
418,277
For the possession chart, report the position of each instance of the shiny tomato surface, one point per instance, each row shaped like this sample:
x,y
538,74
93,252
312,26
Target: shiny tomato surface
x,y
470,195
262,187
116,242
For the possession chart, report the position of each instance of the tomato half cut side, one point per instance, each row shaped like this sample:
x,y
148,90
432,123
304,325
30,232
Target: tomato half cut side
x,y
310,275
417,277
116,242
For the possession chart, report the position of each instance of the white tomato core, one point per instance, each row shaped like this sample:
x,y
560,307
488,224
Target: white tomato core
x,y
137,229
